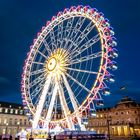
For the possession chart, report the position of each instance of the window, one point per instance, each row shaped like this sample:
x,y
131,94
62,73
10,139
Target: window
x,y
0,109
11,111
5,121
10,121
6,110
20,121
15,121
136,121
3,131
16,111
21,112
25,122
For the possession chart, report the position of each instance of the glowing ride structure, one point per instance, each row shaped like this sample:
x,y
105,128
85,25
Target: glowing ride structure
x,y
67,68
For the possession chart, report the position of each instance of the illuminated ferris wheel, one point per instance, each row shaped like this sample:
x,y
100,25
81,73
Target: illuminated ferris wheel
x,y
67,68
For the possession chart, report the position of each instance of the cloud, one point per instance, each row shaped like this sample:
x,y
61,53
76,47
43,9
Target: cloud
x,y
10,96
4,80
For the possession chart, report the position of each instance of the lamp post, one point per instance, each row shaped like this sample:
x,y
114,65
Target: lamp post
x,y
108,125
6,128
18,123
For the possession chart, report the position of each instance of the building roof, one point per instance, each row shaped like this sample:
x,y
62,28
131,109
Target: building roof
x,y
124,101
128,101
10,105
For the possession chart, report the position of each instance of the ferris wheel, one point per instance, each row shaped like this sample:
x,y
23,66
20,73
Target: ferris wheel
x,y
67,69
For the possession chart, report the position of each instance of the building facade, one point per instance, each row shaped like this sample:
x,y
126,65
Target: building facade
x,y
12,118
121,120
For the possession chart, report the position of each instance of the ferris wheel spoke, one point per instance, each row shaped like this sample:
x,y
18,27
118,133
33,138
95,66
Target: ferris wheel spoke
x,y
41,101
47,46
53,40
38,88
36,91
68,27
77,26
39,63
50,109
85,46
60,34
37,80
37,71
73,100
70,92
42,54
68,31
85,58
84,33
81,85
65,106
84,71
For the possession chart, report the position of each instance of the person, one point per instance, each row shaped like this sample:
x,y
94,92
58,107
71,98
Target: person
x,y
10,137
54,137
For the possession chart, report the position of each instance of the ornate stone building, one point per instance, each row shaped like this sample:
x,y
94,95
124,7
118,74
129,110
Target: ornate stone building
x,y
12,118
121,120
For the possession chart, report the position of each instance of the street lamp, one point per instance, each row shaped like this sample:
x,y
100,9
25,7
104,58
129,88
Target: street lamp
x,y
18,123
108,123
6,128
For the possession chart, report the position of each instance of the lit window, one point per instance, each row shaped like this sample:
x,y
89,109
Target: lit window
x,y
0,109
11,111
16,111
21,112
3,131
6,110
15,121
101,115
5,121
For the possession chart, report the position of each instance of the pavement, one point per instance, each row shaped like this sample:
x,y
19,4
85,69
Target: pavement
x,y
124,138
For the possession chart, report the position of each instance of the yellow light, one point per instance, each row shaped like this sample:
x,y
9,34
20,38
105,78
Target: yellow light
x,y
55,64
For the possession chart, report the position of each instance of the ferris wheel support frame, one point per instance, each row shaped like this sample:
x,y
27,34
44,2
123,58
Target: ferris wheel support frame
x,y
73,101
41,103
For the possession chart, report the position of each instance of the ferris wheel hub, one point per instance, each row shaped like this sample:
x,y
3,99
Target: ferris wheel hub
x,y
52,64
56,62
